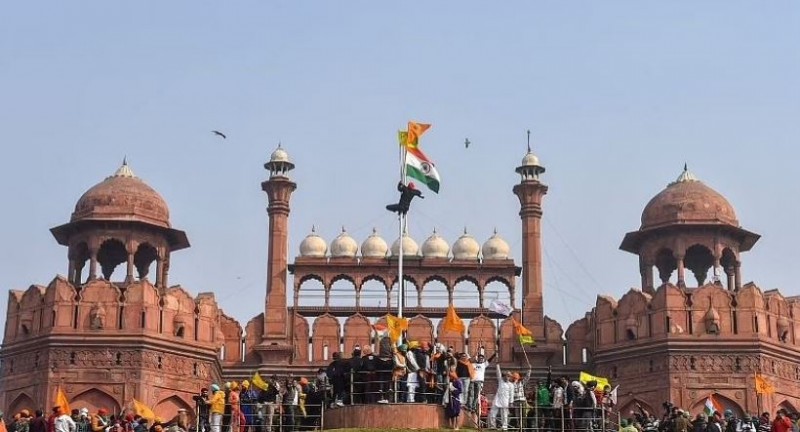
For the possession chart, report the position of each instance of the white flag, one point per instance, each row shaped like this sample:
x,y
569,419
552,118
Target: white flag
x,y
501,308
613,396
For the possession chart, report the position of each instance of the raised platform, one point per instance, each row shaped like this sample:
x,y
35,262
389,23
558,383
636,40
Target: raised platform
x,y
388,416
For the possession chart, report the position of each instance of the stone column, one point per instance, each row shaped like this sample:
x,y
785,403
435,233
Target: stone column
x,y
93,264
159,271
646,271
738,270
729,271
681,270
129,275
71,272
327,287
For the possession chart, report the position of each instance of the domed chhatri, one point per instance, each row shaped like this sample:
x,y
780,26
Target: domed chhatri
x,y
530,167
466,248
410,247
279,163
313,246
687,200
495,248
374,246
344,246
435,247
122,197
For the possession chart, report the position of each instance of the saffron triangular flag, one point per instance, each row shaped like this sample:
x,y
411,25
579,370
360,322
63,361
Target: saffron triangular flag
x,y
525,335
62,402
143,410
259,382
452,322
415,130
763,386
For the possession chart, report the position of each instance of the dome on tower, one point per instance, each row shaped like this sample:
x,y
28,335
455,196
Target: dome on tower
x,y
688,201
374,246
530,160
466,247
122,197
344,246
435,247
313,246
279,155
495,248
410,247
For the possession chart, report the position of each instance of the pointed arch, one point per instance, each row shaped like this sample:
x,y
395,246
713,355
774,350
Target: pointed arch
x,y
482,333
420,328
168,407
21,402
301,339
357,331
450,338
94,399
325,338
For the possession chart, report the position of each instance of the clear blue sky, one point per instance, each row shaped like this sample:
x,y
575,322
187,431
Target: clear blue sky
x,y
618,94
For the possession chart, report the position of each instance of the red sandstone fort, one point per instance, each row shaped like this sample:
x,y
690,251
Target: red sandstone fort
x,y
114,328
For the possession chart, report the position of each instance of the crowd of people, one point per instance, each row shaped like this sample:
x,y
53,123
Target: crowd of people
x,y
80,420
675,419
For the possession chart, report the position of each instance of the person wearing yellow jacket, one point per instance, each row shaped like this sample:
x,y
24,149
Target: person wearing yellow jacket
x,y
217,408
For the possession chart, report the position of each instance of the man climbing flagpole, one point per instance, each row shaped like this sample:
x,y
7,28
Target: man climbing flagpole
x,y
415,164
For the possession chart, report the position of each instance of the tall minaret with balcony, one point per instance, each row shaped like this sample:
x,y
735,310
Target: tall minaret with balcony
x,y
279,190
530,191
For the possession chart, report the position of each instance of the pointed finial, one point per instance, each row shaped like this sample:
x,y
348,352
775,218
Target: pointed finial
x,y
495,230
529,140
279,144
434,230
465,230
685,166
313,229
374,231
125,160
343,230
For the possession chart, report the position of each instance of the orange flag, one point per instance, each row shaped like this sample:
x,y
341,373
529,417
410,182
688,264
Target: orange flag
x,y
452,322
525,335
143,410
396,327
62,402
415,130
763,386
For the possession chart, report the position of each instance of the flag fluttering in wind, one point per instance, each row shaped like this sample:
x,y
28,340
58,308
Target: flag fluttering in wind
x,y
613,396
415,130
763,386
525,335
711,406
62,402
500,307
259,382
452,322
143,410
601,382
396,327
418,165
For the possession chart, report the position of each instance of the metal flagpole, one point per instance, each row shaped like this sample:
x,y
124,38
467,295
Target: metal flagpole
x,y
402,222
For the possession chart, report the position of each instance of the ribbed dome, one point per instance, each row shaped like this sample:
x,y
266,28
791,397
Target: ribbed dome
x,y
530,159
688,201
374,246
344,246
466,247
435,247
410,247
124,197
313,246
495,248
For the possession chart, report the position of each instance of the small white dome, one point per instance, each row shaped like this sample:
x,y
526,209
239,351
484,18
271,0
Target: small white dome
x,y
435,247
410,247
279,155
495,248
374,246
313,245
344,246
530,159
466,247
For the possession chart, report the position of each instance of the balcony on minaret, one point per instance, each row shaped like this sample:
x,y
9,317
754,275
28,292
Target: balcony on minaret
x,y
279,164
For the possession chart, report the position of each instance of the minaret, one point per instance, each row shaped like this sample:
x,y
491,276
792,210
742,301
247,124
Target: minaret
x,y
279,190
530,192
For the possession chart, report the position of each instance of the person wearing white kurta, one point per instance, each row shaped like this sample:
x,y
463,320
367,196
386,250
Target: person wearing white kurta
x,y
502,400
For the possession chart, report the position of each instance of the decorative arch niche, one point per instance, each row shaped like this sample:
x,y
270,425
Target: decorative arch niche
x,y
21,402
94,399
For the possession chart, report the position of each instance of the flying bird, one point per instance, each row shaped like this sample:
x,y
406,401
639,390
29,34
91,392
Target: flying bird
x,y
216,132
466,143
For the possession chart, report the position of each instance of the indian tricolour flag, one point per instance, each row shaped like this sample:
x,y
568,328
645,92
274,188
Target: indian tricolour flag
x,y
418,166
711,406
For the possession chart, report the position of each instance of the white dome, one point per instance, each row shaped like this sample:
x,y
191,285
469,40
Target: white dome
x,y
344,246
313,245
530,159
374,246
466,247
495,248
410,247
435,247
279,155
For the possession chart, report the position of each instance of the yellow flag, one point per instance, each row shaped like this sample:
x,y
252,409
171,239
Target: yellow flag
x,y
763,386
415,130
525,336
396,327
144,411
62,402
601,382
259,382
452,322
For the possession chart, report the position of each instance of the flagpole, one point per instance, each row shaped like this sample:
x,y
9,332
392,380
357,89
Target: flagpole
x,y
402,226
